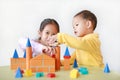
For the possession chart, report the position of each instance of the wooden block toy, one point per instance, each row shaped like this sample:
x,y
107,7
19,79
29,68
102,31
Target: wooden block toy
x,y
83,70
28,73
66,64
39,74
22,71
57,58
18,62
106,69
51,75
18,73
40,63
67,59
28,54
75,64
74,73
24,54
15,54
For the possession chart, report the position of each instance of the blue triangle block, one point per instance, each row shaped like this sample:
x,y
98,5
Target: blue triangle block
x,y
28,43
75,64
24,54
18,73
106,69
15,54
67,52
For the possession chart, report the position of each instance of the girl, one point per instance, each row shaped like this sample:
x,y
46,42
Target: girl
x,y
47,28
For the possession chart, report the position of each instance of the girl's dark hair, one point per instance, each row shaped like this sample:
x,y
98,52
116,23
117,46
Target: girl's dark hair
x,y
48,21
85,14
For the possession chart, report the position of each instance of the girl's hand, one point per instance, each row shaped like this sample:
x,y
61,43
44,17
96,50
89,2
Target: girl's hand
x,y
48,50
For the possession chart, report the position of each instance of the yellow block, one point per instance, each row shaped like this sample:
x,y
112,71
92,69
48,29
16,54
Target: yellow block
x,y
74,73
28,73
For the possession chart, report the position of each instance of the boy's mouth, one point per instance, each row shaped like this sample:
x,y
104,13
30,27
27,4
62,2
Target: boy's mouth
x,y
75,32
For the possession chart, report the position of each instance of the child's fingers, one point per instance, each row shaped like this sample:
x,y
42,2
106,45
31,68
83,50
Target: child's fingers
x,y
52,39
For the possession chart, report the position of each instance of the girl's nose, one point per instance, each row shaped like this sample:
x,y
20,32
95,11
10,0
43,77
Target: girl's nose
x,y
49,36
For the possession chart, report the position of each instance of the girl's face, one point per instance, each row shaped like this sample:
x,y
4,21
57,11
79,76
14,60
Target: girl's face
x,y
79,26
49,30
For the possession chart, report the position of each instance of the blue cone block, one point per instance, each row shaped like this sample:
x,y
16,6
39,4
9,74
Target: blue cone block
x,y
24,54
15,54
18,73
106,69
67,52
75,64
28,43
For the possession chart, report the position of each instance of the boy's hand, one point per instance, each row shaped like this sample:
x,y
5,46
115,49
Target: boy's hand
x,y
52,41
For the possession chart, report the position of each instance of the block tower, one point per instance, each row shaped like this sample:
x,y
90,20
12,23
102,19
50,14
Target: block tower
x,y
67,59
17,61
57,58
28,54
39,63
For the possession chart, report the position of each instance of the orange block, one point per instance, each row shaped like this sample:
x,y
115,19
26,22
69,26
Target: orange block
x,y
49,62
35,62
52,69
42,63
66,64
43,69
34,69
57,58
18,62
28,57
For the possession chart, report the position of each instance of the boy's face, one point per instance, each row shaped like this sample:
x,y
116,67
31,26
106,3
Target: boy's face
x,y
80,26
49,30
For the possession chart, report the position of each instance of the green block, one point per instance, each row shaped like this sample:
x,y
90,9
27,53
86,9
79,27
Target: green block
x,y
83,70
39,74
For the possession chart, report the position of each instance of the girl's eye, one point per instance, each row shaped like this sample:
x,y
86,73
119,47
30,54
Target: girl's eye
x,y
77,24
47,32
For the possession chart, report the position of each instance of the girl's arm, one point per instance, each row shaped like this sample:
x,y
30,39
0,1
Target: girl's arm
x,y
36,47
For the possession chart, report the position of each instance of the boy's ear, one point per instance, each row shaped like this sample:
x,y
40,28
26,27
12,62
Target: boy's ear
x,y
89,24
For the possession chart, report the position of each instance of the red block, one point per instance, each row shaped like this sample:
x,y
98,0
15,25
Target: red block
x,y
51,75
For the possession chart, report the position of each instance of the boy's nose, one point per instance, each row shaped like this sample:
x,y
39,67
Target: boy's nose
x,y
74,27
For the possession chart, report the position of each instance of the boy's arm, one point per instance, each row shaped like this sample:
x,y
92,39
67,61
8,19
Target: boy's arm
x,y
83,43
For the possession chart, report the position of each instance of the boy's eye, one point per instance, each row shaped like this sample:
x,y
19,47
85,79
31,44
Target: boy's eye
x,y
53,34
77,24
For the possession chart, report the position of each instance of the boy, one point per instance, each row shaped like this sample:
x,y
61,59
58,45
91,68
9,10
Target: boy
x,y
86,44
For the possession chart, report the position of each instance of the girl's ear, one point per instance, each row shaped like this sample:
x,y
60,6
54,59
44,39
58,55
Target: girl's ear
x,y
39,32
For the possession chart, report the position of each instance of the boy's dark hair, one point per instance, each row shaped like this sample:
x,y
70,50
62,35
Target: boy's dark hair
x,y
85,14
48,21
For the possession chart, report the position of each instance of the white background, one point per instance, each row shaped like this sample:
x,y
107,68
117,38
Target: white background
x,y
21,18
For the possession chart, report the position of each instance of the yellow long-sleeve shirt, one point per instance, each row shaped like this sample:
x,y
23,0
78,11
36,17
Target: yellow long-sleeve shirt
x,y
87,48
